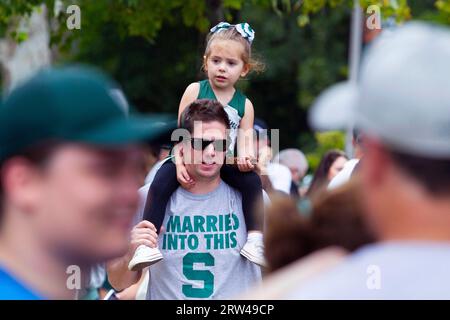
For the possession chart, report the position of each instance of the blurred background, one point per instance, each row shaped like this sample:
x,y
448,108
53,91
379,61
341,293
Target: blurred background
x,y
154,48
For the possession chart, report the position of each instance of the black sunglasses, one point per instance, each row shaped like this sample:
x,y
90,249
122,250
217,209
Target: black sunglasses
x,y
201,144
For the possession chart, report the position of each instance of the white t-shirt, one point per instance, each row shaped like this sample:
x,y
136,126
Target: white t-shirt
x,y
344,175
280,176
391,270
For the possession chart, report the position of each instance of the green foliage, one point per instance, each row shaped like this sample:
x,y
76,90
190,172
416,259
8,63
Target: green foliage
x,y
398,9
429,12
324,141
306,9
12,10
153,48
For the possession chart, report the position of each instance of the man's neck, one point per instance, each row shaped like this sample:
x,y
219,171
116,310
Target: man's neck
x,y
203,186
34,266
426,221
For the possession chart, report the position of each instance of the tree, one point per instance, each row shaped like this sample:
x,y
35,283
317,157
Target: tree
x,y
153,48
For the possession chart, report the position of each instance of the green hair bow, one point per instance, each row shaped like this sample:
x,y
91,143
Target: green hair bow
x,y
243,28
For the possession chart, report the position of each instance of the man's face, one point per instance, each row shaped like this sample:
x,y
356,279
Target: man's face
x,y
205,164
87,200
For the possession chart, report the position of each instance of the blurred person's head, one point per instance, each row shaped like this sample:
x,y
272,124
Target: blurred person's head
x,y
401,105
74,199
159,151
407,139
334,218
261,136
164,151
156,152
70,170
296,161
330,165
204,153
415,187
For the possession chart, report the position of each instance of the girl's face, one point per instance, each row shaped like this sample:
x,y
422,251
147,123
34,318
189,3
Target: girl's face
x,y
224,64
336,167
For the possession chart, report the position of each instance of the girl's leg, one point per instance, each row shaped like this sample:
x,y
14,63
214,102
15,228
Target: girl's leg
x,y
163,186
249,185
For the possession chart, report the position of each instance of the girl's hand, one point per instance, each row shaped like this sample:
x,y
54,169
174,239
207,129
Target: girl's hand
x,y
183,177
245,164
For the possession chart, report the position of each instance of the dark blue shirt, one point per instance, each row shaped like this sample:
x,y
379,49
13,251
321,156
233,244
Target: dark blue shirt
x,y
12,289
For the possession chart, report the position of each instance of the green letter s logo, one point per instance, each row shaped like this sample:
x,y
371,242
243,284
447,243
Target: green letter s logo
x,y
204,275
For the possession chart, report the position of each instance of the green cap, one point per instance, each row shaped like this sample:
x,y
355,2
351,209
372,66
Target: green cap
x,y
72,104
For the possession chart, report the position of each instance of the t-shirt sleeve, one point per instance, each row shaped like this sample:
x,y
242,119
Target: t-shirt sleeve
x,y
139,215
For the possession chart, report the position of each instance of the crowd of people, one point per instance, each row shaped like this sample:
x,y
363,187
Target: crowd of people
x,y
217,213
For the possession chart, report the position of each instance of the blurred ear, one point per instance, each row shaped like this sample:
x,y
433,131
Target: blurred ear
x,y
376,163
21,184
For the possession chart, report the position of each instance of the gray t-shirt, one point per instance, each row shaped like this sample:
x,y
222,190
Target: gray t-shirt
x,y
386,270
201,243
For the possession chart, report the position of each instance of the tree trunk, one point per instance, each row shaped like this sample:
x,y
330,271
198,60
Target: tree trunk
x,y
19,61
215,11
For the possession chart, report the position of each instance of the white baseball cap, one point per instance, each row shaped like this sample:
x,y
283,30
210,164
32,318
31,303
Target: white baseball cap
x,y
402,96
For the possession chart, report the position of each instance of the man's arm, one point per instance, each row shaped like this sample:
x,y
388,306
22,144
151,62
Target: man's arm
x,y
118,274
131,293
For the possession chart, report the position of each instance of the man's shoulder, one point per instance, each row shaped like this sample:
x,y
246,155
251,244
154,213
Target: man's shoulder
x,y
384,271
231,190
347,280
12,289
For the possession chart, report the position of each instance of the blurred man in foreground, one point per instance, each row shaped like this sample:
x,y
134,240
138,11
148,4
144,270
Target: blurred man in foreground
x,y
70,171
402,106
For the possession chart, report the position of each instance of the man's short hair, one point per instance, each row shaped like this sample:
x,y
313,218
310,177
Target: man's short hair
x,y
204,110
432,173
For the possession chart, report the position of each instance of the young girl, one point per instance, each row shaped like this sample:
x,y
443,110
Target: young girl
x,y
227,58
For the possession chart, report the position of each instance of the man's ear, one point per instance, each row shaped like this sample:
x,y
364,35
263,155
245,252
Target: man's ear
x,y
21,185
